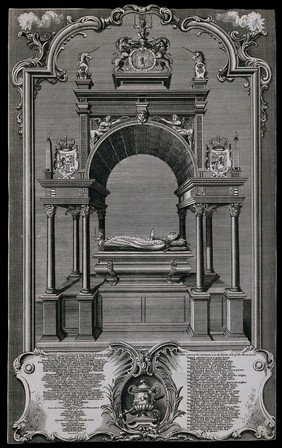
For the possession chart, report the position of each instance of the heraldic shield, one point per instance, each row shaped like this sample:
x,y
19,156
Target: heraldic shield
x,y
66,163
219,157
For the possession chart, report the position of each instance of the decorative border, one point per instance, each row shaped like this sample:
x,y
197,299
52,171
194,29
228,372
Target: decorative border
x,y
158,363
28,74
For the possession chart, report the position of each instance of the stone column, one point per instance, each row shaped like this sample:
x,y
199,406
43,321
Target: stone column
x,y
234,296
102,220
209,239
50,273
182,222
85,211
74,211
52,300
199,209
86,321
234,210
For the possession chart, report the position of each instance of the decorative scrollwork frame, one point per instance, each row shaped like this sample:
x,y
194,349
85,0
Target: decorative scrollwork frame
x,y
28,74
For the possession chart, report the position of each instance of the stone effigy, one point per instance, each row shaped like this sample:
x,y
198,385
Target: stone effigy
x,y
133,243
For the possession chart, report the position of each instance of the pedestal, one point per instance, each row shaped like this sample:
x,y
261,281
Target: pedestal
x,y
89,323
52,318
84,83
199,315
234,318
199,83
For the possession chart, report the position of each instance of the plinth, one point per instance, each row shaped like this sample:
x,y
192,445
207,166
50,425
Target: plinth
x,y
143,291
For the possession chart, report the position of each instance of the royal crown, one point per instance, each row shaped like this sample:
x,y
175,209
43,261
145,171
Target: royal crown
x,y
66,143
219,143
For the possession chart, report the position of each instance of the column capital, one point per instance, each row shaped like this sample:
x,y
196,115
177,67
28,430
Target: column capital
x,y
50,210
86,210
198,209
235,209
209,209
73,210
182,212
101,213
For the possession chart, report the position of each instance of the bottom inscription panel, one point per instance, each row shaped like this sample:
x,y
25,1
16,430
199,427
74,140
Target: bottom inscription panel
x,y
165,393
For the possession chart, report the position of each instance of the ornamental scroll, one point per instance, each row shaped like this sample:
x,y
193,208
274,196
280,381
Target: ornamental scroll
x,y
162,393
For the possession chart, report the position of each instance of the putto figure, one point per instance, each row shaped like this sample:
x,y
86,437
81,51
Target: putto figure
x,y
102,126
180,125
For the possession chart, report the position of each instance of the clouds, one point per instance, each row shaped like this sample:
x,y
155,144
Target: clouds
x,y
253,21
29,20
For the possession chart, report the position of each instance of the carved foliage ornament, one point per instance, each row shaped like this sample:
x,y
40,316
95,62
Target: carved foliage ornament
x,y
143,401
50,210
86,210
235,209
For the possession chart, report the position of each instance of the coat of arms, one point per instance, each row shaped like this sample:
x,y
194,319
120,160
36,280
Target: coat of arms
x,y
66,163
144,54
218,157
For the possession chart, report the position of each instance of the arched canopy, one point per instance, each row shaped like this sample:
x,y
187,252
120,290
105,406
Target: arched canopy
x,y
153,139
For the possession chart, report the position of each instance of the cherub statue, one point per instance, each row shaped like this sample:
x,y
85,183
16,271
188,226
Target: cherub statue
x,y
180,125
102,126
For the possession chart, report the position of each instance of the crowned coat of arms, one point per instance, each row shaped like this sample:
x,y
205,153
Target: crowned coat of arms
x,y
218,157
66,163
142,54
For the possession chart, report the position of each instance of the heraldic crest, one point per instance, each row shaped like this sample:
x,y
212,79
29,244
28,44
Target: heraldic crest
x,y
144,54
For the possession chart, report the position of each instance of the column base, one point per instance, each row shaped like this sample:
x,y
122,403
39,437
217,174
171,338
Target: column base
x,y
235,294
75,274
49,292
197,290
209,271
232,290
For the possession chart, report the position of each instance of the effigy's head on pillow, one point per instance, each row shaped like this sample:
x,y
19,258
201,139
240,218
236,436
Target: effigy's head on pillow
x,y
171,236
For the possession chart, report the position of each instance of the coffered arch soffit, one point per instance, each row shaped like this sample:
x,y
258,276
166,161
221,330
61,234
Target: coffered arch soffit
x,y
132,138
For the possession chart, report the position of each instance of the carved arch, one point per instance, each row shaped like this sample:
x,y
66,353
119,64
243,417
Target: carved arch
x,y
190,170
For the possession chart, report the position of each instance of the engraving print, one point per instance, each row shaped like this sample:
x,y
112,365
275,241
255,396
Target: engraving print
x,y
141,225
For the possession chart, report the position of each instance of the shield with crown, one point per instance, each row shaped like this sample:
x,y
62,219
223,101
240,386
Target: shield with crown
x,y
218,157
66,163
